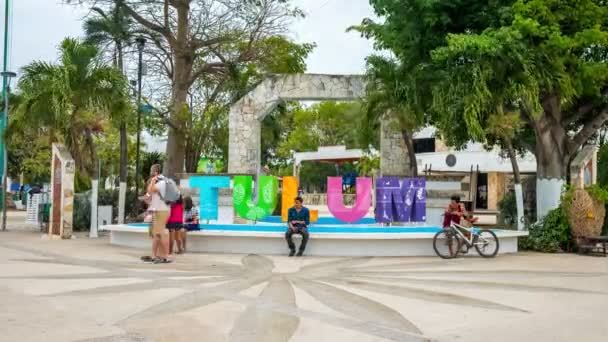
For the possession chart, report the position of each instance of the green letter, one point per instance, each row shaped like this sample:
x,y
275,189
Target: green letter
x,y
267,197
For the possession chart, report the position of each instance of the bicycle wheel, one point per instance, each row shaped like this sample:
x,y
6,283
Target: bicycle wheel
x,y
487,244
446,244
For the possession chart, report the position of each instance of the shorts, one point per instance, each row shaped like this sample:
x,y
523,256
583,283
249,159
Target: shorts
x,y
159,221
192,227
299,229
174,226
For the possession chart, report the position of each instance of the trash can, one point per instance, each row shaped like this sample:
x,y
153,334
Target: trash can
x,y
45,216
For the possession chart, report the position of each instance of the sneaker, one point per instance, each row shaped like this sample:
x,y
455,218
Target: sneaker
x,y
300,253
292,253
147,258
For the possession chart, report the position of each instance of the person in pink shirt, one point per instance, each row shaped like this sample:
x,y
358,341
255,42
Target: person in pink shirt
x,y
175,223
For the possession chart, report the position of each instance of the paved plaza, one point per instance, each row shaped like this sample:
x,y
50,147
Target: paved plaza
x,y
87,290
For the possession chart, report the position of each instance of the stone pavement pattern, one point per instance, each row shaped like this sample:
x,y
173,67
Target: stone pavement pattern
x,y
87,290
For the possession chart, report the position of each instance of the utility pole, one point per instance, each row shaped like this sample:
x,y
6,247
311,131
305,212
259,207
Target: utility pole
x,y
6,75
141,42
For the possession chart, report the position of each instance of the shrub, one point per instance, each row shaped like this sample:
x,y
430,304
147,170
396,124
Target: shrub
x,y
549,236
508,209
82,211
82,206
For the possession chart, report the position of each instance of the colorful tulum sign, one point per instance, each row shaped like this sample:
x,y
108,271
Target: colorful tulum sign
x,y
397,200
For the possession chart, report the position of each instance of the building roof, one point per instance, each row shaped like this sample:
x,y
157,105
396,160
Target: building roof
x,y
329,154
487,161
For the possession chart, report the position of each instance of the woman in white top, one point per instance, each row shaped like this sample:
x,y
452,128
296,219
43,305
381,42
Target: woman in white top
x,y
160,215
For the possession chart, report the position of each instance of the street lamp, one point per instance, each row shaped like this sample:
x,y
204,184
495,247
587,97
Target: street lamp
x,y
6,78
141,43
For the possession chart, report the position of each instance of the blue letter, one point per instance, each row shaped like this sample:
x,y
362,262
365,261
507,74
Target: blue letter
x,y
209,186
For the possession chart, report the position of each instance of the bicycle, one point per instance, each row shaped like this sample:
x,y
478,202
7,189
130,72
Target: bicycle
x,y
455,241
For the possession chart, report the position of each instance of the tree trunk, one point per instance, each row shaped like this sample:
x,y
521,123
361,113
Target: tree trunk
x,y
519,194
409,144
176,142
552,160
513,158
192,156
182,72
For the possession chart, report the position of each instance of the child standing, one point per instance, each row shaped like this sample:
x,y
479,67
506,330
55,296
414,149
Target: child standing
x,y
190,222
175,223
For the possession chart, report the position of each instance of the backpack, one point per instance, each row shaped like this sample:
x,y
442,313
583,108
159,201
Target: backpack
x,y
172,193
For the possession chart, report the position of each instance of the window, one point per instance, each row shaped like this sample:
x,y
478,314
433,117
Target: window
x,y
424,145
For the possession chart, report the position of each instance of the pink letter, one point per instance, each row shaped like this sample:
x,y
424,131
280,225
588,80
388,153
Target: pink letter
x,y
335,202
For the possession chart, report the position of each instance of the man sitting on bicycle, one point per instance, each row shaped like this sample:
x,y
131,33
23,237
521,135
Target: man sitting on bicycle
x,y
456,213
456,237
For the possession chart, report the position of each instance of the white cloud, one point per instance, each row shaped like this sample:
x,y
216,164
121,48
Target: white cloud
x,y
39,25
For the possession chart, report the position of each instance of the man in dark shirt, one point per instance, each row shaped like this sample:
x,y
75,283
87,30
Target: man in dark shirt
x,y
298,219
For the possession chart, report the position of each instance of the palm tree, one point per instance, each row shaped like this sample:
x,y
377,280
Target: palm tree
x,y
110,31
113,31
72,99
386,99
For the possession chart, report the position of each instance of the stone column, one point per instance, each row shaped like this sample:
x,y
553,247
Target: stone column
x,y
62,193
244,137
393,153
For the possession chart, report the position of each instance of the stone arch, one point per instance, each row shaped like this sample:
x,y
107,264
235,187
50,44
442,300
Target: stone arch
x,y
246,115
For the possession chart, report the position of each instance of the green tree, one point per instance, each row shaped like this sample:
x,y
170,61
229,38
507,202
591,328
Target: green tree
x,y
326,123
305,129
400,87
147,160
28,147
501,129
71,99
195,39
108,150
207,128
387,100
543,59
548,63
368,165
29,153
114,32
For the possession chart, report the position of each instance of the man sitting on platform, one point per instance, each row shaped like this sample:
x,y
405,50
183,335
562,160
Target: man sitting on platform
x,y
298,219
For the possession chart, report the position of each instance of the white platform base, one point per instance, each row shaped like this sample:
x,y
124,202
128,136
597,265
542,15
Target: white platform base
x,y
320,244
